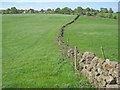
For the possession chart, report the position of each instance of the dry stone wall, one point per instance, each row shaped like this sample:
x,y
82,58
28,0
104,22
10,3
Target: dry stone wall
x,y
101,73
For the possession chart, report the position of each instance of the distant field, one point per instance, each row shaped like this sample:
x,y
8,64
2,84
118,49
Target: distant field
x,y
90,33
31,57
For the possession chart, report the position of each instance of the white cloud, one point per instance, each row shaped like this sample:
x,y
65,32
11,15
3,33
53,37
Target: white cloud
x,y
59,0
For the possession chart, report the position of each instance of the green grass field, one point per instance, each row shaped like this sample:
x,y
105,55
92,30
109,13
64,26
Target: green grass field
x,y
31,57
90,33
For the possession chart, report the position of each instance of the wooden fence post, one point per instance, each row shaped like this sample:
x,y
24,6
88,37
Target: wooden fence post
x,y
75,55
102,52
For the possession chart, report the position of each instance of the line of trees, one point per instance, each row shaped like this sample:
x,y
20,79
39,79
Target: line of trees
x,y
14,10
66,10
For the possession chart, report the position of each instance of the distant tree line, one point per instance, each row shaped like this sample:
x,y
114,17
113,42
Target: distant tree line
x,y
103,12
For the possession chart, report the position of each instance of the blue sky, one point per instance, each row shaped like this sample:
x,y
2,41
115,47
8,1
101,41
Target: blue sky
x,y
53,5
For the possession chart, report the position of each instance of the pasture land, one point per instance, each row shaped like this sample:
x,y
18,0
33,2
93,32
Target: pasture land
x,y
31,57
90,33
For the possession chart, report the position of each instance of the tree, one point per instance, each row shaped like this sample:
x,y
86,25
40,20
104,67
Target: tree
x,y
57,10
70,11
94,13
84,12
88,14
87,9
92,10
13,10
21,10
73,12
32,10
63,10
49,9
110,15
102,14
66,10
101,10
4,12
42,10
104,10
79,10
7,11
110,10
97,11
18,11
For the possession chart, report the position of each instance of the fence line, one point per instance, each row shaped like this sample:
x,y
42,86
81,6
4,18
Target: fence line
x,y
100,72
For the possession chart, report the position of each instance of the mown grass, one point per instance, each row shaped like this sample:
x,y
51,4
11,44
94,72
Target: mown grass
x,y
90,33
31,57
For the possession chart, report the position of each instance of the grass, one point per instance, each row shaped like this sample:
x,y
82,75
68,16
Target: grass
x,y
0,51
90,33
31,57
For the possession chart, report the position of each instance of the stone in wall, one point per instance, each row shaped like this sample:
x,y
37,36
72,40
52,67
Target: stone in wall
x,y
95,61
88,56
70,53
101,61
112,86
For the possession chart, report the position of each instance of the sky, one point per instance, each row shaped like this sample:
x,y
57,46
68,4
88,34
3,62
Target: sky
x,y
44,4
59,0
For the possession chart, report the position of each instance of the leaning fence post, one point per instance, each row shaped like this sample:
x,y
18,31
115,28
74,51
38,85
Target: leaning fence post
x,y
75,55
102,52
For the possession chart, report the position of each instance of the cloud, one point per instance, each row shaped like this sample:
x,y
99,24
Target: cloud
x,y
20,1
